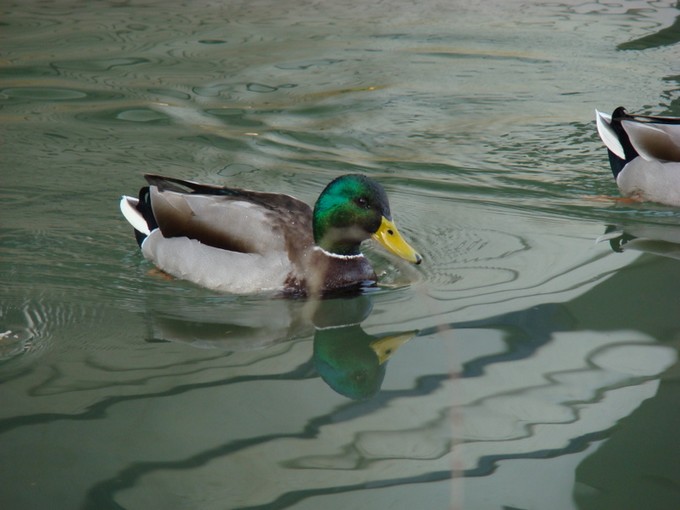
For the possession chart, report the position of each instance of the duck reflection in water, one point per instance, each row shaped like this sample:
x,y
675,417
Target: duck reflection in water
x,y
347,358
656,239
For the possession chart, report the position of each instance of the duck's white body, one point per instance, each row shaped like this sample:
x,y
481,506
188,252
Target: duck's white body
x,y
264,268
644,153
651,181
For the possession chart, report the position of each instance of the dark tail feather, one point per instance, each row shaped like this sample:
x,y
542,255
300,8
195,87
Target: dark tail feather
x,y
182,186
616,162
144,207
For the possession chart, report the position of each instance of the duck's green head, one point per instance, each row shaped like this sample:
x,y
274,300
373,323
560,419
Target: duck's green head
x,y
353,208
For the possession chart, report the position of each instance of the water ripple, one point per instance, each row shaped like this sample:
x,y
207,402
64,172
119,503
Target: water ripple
x,y
28,328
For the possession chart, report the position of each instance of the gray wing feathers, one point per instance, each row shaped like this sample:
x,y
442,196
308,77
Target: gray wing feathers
x,y
222,222
659,142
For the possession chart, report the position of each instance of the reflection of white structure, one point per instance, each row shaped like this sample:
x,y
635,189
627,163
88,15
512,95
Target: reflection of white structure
x,y
556,419
519,374
502,392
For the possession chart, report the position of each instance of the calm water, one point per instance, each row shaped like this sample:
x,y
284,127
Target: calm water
x,y
535,362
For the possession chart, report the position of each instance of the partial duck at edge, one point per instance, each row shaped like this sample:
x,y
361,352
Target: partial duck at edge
x,y
644,154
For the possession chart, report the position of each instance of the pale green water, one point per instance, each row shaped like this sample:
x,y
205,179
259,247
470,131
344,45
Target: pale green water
x,y
542,370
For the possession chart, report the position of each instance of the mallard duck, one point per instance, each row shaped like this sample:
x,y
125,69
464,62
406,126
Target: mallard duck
x,y
242,241
644,154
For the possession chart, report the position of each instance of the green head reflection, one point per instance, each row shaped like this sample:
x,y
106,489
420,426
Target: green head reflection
x,y
348,359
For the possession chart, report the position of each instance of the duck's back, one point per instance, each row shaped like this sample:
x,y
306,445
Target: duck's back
x,y
227,239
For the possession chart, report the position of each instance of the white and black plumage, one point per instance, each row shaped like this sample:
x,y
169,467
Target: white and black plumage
x,y
644,154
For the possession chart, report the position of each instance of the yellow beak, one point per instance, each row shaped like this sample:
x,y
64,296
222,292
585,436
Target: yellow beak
x,y
385,347
388,236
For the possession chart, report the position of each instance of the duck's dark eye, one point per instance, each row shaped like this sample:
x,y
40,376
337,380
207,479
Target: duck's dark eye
x,y
362,202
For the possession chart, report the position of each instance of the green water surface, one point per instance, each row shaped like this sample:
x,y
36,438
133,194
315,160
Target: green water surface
x,y
533,361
